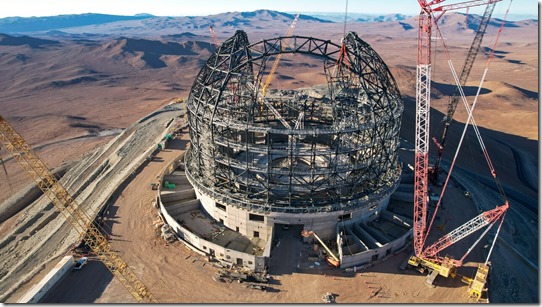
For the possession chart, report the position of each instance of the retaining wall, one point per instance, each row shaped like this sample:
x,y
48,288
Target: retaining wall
x,y
38,291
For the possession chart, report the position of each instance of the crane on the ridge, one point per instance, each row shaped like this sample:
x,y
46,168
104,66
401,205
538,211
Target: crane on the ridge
x,y
427,257
215,38
66,204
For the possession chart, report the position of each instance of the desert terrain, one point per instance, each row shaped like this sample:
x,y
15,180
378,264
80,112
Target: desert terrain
x,y
72,92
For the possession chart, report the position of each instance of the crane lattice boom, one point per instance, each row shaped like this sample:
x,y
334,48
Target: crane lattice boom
x,y
279,56
307,234
462,5
482,220
70,209
263,89
423,105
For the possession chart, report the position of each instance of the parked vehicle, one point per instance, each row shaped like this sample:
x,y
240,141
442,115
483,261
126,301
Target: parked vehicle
x,y
80,263
328,298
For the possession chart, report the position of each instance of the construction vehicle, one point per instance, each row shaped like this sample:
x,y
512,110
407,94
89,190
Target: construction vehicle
x,y
169,185
256,287
427,259
328,298
163,143
93,234
153,154
477,284
333,260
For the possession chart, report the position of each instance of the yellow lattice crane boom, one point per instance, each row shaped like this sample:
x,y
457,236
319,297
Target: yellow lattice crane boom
x,y
277,59
263,88
69,208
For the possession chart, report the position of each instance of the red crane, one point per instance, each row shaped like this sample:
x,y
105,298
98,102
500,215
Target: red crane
x,y
423,105
215,38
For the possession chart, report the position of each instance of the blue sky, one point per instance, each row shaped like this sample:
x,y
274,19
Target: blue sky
x,y
26,8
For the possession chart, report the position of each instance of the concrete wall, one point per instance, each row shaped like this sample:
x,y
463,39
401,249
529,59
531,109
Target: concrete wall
x,y
36,293
378,243
177,209
238,219
252,262
374,254
322,223
176,179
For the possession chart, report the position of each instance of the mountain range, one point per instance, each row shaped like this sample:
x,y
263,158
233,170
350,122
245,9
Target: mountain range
x,y
102,24
19,25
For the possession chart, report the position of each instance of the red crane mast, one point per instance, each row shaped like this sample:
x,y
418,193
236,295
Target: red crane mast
x,y
423,106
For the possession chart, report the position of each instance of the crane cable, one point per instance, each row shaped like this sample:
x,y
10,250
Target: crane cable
x,y
345,14
476,242
470,119
495,240
342,59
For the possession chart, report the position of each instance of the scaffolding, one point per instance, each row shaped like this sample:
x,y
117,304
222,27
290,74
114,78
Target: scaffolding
x,y
297,152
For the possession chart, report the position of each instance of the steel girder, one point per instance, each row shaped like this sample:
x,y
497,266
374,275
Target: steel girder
x,y
345,152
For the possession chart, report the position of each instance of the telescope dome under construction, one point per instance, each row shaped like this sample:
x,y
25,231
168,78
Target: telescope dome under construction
x,y
332,148
270,164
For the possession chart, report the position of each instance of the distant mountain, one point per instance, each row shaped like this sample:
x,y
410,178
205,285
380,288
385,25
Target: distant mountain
x,y
382,18
8,40
150,53
461,22
99,26
359,17
269,14
454,22
123,25
35,24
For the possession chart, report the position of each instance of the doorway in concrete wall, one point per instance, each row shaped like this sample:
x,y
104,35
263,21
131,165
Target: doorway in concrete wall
x,y
285,249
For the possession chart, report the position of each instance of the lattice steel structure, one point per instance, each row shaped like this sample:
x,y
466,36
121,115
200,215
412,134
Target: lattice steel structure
x,y
289,151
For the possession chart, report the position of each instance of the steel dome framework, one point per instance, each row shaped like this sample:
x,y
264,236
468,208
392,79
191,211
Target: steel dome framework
x,y
294,153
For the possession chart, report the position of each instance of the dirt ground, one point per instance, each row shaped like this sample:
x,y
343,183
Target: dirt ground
x,y
175,274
